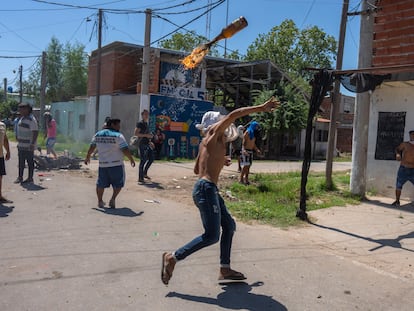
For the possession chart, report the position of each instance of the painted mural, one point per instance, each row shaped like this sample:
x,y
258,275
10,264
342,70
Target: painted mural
x,y
176,117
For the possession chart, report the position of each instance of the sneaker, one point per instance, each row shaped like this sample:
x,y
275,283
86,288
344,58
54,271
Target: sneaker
x,y
141,181
396,203
27,181
147,177
112,204
101,204
18,180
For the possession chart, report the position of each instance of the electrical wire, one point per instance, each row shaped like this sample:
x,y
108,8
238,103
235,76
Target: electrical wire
x,y
174,6
193,10
192,20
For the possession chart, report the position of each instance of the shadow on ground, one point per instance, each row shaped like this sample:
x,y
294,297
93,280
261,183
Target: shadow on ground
x,y
123,211
409,207
236,296
395,243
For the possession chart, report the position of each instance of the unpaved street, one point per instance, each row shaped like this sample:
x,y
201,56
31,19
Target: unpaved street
x,y
60,252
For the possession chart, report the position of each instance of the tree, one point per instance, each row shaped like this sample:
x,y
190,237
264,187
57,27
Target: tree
x,y
54,70
294,50
66,73
186,42
74,73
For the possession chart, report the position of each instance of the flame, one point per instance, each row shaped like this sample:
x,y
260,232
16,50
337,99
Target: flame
x,y
195,58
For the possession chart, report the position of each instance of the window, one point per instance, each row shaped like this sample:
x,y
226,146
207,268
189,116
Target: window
x,y
322,135
82,119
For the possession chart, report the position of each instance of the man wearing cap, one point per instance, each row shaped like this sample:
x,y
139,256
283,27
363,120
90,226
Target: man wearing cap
x,y
404,153
214,214
26,134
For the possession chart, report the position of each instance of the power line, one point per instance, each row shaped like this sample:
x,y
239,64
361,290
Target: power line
x,y
5,56
192,20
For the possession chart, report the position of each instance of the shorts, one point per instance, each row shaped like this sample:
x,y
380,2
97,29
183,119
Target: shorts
x,y
404,174
108,176
50,142
2,167
246,158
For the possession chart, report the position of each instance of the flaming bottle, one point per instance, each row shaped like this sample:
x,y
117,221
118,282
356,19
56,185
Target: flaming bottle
x,y
230,30
197,55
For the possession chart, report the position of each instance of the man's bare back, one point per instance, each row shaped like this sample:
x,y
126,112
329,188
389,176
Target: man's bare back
x,y
212,151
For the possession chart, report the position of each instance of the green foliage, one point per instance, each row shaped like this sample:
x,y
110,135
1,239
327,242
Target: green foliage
x,y
74,73
66,73
7,108
274,198
185,42
293,50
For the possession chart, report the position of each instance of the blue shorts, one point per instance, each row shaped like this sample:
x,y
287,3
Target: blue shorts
x,y
50,142
404,174
108,176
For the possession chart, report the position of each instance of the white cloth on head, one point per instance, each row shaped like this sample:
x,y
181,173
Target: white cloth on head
x,y
212,117
209,118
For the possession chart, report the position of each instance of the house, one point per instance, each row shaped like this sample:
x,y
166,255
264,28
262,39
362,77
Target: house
x,y
391,109
178,97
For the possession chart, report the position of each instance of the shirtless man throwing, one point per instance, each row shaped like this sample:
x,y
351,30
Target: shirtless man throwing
x,y
404,153
214,214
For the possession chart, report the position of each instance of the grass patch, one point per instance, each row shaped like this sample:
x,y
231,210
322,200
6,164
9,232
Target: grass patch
x,y
274,198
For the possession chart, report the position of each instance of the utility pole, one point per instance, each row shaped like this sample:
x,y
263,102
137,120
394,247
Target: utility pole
x,y
98,70
362,105
42,91
5,89
21,83
336,98
144,103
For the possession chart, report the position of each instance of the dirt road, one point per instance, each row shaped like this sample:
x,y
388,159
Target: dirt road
x,y
60,252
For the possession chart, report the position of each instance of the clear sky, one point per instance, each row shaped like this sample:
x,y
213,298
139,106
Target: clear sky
x,y
27,26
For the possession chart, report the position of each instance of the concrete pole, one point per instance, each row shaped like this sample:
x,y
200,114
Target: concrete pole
x,y
98,71
362,106
336,98
21,83
144,104
42,92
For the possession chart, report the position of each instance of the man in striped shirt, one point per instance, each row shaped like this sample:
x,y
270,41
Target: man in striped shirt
x,y
27,132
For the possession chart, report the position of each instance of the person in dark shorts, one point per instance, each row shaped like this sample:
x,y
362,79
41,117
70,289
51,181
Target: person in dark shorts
x,y
404,153
248,147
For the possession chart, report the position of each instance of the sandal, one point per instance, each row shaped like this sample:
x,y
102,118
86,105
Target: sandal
x,y
232,275
167,268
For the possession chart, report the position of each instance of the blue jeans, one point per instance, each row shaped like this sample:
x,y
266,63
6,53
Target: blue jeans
x,y
213,214
146,155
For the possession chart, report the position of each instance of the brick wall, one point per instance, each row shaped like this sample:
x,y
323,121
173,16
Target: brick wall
x,y
120,70
393,38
